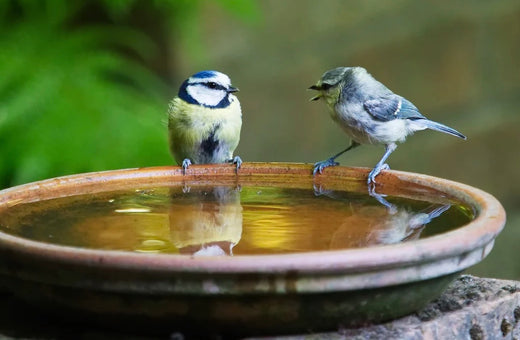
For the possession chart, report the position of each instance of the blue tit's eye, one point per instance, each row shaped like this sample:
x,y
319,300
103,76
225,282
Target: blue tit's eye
x,y
212,85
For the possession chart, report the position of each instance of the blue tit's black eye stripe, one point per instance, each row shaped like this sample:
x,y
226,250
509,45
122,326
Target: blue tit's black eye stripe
x,y
214,86
210,85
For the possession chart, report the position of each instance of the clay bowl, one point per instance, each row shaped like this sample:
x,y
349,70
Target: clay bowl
x,y
249,294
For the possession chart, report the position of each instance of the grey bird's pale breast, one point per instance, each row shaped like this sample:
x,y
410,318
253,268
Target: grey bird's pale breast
x,y
350,113
362,128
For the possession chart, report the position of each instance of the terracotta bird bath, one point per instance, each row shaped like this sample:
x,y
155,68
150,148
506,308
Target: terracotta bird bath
x,y
269,250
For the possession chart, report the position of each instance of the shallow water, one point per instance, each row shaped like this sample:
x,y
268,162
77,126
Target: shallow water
x,y
225,220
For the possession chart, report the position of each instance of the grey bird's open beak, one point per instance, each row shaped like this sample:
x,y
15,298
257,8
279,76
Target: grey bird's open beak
x,y
316,88
232,89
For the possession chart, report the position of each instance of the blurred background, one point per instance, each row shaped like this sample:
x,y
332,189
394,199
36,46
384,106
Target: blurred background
x,y
84,85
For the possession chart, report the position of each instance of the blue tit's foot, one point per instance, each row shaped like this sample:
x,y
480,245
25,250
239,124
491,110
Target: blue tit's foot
x,y
319,190
371,181
185,165
236,160
319,166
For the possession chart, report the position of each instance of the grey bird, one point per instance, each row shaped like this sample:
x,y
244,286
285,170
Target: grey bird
x,y
370,114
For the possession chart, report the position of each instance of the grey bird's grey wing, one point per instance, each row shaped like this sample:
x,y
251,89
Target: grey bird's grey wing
x,y
392,107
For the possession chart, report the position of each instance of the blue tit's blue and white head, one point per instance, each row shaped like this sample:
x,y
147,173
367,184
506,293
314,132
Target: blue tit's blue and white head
x,y
208,88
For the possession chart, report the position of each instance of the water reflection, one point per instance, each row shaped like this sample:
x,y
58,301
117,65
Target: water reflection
x,y
207,221
223,220
392,208
405,225
388,224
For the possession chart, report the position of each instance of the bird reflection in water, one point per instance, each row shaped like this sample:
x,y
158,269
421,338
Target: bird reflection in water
x,y
388,223
406,225
208,222
211,221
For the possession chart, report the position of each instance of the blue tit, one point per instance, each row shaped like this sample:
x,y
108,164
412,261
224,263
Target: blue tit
x,y
370,114
204,121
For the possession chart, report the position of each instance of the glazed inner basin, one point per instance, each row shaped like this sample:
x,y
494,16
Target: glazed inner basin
x,y
233,219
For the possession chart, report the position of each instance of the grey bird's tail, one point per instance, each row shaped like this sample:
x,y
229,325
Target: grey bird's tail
x,y
430,124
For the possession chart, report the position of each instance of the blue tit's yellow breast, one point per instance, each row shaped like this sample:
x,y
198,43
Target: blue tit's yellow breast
x,y
190,125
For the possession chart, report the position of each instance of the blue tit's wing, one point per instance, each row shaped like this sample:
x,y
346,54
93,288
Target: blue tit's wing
x,y
392,107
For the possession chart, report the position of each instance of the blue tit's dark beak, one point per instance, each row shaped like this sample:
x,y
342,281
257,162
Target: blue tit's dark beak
x,y
232,89
316,88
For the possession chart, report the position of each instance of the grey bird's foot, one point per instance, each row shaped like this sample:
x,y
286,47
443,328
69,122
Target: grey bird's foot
x,y
185,165
371,181
236,160
319,166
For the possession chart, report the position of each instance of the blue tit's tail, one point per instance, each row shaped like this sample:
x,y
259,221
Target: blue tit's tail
x,y
430,124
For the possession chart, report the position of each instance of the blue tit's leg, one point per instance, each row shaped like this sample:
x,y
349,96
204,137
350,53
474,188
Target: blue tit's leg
x,y
319,166
381,165
236,160
185,165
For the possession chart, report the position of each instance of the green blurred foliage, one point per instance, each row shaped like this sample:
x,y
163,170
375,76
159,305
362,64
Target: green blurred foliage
x,y
78,91
69,102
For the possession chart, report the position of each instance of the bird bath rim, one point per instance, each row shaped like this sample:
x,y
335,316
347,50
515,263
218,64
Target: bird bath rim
x,y
411,261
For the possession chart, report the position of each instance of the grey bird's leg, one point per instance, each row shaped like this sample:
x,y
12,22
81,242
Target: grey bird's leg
x,y
380,166
319,166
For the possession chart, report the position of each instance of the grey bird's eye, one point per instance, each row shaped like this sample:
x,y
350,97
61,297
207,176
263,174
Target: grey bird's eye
x,y
212,85
325,86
